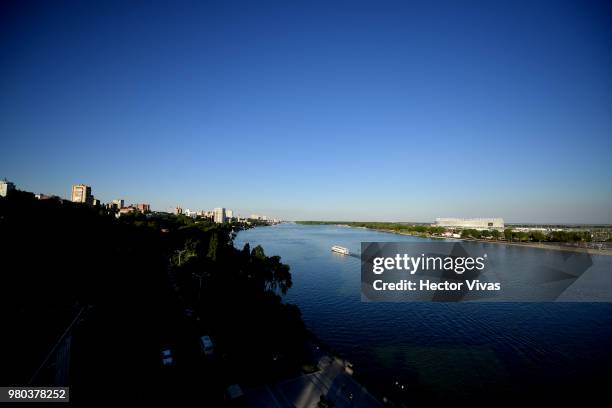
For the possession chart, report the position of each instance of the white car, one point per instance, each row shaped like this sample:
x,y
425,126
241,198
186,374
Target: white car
x,y
166,356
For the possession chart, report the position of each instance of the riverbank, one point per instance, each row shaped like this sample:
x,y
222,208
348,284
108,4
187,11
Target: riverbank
x,y
328,383
537,245
329,386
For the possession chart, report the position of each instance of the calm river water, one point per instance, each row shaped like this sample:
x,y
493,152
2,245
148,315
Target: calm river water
x,y
445,350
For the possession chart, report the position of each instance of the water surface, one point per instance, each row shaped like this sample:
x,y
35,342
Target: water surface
x,y
441,349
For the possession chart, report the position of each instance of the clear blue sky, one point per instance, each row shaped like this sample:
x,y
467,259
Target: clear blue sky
x,y
316,110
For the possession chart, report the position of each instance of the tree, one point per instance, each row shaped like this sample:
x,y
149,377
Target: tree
x,y
213,247
508,234
258,253
246,251
470,233
522,236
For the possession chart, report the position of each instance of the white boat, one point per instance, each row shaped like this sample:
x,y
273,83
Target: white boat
x,y
340,250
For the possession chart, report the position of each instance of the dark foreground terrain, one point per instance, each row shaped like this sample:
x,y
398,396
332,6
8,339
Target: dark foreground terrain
x,y
91,301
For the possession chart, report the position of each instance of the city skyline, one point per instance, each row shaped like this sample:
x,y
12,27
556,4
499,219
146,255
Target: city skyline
x,y
84,195
315,111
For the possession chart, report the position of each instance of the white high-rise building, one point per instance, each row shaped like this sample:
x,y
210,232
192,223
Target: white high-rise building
x,y
219,215
229,214
5,187
81,193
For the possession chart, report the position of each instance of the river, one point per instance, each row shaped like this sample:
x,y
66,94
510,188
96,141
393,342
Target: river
x,y
446,350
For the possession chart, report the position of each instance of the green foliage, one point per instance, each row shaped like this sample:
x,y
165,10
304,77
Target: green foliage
x,y
471,233
237,293
62,258
521,236
427,230
139,274
486,234
258,253
417,229
570,236
437,230
246,250
213,247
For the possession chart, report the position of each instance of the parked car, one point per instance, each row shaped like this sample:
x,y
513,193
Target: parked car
x,y
234,396
166,356
206,345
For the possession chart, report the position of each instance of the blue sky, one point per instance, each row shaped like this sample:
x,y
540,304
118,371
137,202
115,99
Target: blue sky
x,y
399,111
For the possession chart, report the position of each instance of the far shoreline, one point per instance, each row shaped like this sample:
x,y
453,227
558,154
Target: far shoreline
x,y
536,245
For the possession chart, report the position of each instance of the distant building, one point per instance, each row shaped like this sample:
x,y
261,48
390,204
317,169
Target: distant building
x,y
143,208
95,202
41,196
219,215
118,203
229,214
259,217
5,187
178,210
126,210
81,193
471,223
